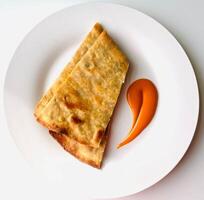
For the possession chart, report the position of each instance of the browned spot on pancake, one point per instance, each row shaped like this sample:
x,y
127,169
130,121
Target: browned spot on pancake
x,y
99,135
63,131
71,105
76,119
57,136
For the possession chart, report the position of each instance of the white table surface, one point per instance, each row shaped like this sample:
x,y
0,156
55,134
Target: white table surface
x,y
184,18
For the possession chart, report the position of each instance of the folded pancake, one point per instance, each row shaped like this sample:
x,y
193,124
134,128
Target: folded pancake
x,y
89,155
83,104
86,44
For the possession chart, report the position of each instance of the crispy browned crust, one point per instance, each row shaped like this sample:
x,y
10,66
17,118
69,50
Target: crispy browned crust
x,y
89,155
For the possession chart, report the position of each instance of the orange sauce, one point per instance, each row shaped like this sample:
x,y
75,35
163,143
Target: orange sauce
x,y
142,98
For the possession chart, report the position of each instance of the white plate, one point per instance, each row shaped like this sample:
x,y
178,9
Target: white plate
x,y
153,52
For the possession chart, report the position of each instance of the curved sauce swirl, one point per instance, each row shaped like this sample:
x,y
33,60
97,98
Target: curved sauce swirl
x,y
142,98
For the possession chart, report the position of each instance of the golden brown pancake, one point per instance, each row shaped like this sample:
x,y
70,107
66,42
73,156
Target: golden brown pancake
x,y
79,105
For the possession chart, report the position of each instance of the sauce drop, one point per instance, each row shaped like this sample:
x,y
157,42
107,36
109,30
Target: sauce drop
x,y
142,98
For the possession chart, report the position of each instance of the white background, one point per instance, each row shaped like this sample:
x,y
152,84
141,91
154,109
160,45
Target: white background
x,y
184,18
